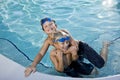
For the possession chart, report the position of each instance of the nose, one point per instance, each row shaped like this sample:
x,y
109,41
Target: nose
x,y
49,28
66,43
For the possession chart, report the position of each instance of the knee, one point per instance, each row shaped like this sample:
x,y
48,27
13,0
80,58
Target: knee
x,y
101,64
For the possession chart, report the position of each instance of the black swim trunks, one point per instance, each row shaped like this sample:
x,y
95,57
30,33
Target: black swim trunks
x,y
85,51
77,67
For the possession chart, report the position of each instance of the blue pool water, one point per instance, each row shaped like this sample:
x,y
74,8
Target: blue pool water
x,y
92,21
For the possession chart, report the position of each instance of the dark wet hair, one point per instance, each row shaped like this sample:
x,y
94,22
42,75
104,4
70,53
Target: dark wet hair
x,y
44,20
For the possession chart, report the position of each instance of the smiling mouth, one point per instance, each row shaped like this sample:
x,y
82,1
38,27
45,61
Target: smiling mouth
x,y
52,29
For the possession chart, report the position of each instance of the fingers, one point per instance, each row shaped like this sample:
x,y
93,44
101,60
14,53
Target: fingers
x,y
73,48
29,70
34,70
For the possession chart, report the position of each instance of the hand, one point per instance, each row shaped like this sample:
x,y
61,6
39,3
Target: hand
x,y
71,49
75,43
29,70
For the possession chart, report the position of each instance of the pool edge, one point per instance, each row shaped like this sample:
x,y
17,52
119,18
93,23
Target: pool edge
x,y
10,70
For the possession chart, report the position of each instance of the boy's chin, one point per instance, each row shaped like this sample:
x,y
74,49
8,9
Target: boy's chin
x,y
64,50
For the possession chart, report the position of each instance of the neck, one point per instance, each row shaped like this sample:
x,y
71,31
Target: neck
x,y
55,31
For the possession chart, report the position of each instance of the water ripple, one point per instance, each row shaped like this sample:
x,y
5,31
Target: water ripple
x,y
89,20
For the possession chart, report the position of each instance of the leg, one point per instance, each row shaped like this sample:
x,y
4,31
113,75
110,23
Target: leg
x,y
89,53
104,51
84,68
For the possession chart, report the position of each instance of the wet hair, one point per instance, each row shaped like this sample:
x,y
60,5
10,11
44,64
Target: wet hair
x,y
44,20
58,35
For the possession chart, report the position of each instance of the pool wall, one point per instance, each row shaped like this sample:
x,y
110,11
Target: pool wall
x,y
10,70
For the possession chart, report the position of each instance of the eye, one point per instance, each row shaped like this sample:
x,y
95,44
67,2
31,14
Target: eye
x,y
45,26
67,42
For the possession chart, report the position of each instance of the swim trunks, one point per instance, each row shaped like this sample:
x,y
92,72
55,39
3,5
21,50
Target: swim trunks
x,y
77,67
85,51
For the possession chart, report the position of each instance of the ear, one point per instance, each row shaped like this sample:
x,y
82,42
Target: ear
x,y
54,21
56,25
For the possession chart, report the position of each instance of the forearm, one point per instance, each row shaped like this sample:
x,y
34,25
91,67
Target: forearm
x,y
60,61
61,65
41,53
37,60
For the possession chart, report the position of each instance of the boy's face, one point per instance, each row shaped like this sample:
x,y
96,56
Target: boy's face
x,y
49,27
63,45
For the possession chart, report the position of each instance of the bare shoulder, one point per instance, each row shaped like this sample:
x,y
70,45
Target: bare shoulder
x,y
64,30
44,47
49,40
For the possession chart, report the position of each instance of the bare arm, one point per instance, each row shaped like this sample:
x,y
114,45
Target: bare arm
x,y
39,56
71,50
41,53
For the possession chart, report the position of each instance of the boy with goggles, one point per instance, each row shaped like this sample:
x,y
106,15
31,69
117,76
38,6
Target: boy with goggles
x,y
49,27
62,41
70,66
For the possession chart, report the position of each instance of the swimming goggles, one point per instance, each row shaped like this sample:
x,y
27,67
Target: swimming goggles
x,y
46,19
63,39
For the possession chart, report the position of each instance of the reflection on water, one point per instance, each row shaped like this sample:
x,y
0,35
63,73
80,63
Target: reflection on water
x,y
109,3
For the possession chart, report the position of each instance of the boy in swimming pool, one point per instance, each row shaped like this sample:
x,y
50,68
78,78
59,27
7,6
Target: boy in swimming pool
x,y
64,45
86,51
62,52
68,53
48,27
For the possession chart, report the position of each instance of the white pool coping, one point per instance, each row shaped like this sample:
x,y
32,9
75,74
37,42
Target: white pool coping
x,y
10,70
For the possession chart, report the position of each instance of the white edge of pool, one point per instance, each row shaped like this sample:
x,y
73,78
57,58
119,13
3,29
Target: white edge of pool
x,y
10,70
